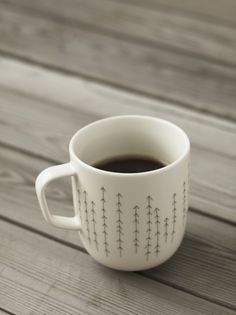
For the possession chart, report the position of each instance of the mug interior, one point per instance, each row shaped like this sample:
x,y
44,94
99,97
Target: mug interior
x,y
130,135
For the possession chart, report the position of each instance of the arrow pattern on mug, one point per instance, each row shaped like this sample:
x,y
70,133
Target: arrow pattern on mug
x,y
149,223
104,224
80,208
155,226
87,215
136,231
119,227
174,217
94,224
157,234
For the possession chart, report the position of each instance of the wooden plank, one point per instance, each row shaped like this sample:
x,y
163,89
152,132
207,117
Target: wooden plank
x,y
210,193
204,252
156,71
217,10
216,190
4,312
160,26
214,140
53,278
183,276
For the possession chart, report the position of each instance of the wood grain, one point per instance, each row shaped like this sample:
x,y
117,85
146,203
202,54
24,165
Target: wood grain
x,y
4,312
155,71
161,26
216,10
52,278
214,265
208,268
23,121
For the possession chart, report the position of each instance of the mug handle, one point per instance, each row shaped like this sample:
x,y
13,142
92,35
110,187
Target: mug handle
x,y
43,179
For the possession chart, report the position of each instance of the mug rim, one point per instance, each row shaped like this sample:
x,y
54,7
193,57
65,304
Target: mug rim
x,y
167,167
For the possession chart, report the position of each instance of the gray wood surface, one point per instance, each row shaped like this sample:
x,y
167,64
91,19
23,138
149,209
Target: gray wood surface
x,y
215,10
24,105
186,80
4,312
66,63
64,280
141,23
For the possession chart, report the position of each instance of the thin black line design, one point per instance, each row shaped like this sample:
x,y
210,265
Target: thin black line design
x,y
136,231
86,214
166,229
157,234
104,220
174,217
94,224
184,202
119,227
149,222
79,202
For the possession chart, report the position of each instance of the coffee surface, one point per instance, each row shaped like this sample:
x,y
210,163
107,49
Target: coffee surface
x,y
129,164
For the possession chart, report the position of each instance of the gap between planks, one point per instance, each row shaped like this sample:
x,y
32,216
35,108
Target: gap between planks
x,y
141,27
55,161
24,76
207,188
19,84
156,72
3,312
5,54
124,278
212,10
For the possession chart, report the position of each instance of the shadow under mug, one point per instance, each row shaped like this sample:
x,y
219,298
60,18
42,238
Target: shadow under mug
x,y
126,221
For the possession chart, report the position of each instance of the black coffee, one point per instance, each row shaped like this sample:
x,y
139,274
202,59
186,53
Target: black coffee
x,y
129,164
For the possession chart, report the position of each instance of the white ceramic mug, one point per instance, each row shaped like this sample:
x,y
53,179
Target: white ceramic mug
x,y
126,221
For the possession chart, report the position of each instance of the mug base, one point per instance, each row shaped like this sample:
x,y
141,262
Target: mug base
x,y
117,265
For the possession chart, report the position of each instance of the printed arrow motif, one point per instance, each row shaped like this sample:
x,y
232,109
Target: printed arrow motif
x,y
136,231
86,215
104,220
119,226
149,223
174,216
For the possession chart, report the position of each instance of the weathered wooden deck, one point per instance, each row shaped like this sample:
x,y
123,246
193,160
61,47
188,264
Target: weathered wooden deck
x,y
66,63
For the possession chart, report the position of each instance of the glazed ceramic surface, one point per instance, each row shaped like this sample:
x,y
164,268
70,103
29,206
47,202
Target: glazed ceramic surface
x,y
126,221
